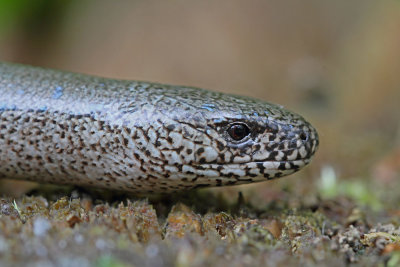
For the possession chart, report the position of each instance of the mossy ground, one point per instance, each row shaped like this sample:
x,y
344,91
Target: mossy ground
x,y
201,228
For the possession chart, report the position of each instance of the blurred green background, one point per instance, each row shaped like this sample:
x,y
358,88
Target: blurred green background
x,y
335,62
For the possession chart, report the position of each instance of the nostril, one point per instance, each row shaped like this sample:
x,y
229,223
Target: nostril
x,y
303,136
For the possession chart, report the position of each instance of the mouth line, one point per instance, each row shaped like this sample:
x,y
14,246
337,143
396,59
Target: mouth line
x,y
278,161
298,161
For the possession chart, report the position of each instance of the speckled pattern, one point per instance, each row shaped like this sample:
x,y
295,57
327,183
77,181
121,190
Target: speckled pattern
x,y
68,128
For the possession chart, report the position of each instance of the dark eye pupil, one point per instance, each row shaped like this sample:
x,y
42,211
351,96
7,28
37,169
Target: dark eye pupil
x,y
238,131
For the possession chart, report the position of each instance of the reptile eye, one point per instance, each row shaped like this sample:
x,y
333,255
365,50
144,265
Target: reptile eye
x,y
238,131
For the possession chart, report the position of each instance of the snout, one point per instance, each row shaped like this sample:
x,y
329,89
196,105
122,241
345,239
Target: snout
x,y
306,141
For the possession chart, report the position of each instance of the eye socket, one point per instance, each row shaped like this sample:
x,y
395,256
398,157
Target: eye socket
x,y
238,131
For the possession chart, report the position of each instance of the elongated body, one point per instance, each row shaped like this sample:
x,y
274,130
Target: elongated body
x,y
67,128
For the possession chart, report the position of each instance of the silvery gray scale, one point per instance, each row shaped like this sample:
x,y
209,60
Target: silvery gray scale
x,y
66,128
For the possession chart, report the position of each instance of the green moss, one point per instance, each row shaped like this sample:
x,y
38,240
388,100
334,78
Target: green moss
x,y
109,261
363,193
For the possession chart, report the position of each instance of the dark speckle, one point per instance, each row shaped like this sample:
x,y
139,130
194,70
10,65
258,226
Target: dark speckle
x,y
200,151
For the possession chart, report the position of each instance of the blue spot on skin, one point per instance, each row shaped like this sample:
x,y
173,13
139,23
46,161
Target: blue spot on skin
x,y
42,109
58,92
239,117
20,92
209,107
4,107
217,120
255,114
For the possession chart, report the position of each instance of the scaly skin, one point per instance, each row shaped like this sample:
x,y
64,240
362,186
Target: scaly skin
x,y
67,128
